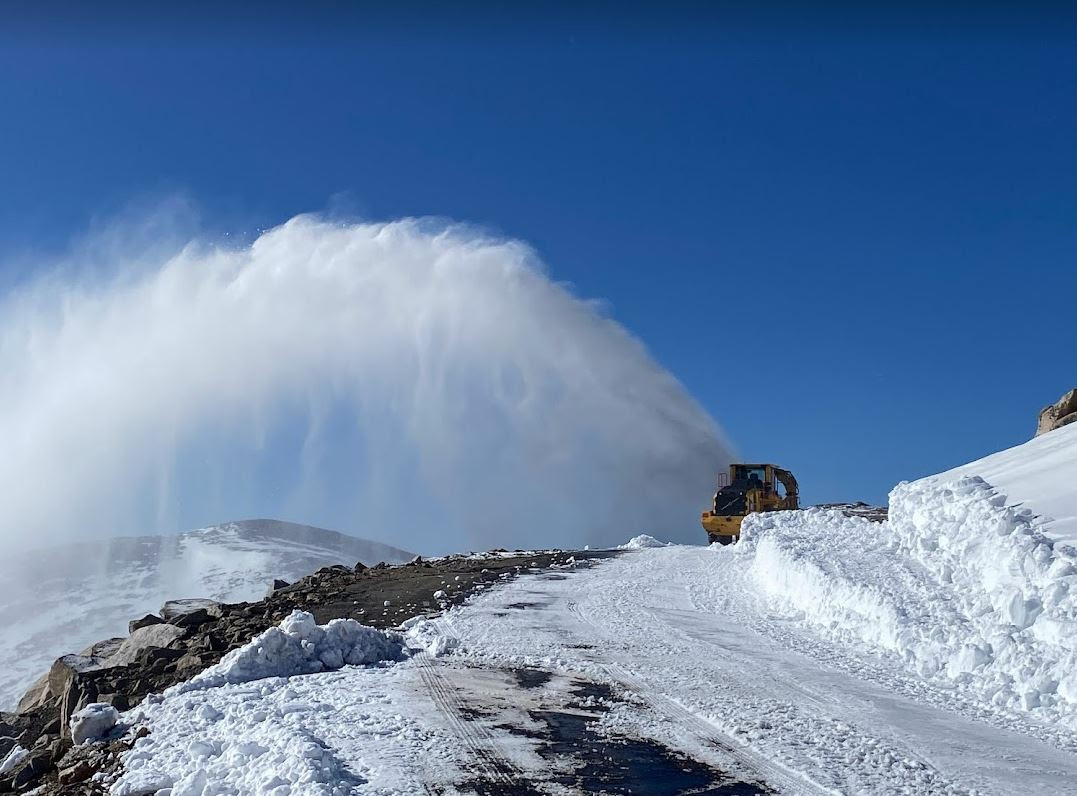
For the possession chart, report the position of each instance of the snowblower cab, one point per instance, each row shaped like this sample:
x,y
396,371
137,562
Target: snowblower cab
x,y
746,489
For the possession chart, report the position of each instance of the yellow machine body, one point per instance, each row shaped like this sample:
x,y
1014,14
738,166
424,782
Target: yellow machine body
x,y
748,489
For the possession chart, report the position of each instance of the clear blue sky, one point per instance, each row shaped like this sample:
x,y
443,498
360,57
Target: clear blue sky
x,y
853,238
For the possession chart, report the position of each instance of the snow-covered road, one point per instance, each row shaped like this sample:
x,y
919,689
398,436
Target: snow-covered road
x,y
673,645
719,676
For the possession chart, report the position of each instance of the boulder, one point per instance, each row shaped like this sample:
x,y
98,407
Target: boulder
x,y
1061,413
61,685
191,619
102,649
173,609
146,621
276,586
36,763
160,635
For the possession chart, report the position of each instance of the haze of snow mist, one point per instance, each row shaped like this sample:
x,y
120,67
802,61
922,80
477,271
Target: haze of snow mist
x,y
421,384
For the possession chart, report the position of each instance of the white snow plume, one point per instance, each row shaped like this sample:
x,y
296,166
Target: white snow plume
x,y
422,384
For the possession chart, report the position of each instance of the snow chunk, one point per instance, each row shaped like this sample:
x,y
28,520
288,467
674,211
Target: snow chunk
x,y
428,635
93,722
299,645
14,757
641,542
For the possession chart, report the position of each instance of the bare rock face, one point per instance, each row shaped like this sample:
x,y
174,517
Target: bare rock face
x,y
1058,414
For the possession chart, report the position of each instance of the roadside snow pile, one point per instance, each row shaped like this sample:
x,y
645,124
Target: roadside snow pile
x,y
299,645
957,583
428,635
257,743
641,542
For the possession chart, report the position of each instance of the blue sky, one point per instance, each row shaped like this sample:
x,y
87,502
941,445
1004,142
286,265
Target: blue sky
x,y
853,239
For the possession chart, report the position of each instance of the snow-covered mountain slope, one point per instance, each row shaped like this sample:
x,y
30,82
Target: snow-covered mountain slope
x,y
1040,474
62,599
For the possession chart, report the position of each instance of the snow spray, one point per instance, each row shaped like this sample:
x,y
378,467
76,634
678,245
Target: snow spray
x,y
419,383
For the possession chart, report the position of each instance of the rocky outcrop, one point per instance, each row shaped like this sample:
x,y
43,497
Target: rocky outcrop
x,y
1058,414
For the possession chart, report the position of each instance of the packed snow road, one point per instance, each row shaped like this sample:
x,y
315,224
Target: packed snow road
x,y
656,671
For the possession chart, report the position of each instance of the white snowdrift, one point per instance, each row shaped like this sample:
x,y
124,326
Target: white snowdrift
x,y
959,584
642,542
299,645
1040,474
292,760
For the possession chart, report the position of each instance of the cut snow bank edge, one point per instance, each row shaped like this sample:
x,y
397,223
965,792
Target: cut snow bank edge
x,y
956,582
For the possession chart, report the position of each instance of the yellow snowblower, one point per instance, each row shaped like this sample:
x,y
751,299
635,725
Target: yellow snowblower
x,y
746,489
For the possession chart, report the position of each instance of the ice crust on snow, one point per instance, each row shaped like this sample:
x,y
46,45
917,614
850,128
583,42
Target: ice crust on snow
x,y
957,583
642,542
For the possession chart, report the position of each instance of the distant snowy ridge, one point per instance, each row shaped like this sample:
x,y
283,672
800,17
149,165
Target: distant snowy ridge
x,y
61,600
958,583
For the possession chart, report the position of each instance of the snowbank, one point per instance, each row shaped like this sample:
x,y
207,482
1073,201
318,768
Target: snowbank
x,y
299,645
642,542
258,746
959,584
1040,474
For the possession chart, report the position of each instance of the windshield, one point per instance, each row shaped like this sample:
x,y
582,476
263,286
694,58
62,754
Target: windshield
x,y
744,473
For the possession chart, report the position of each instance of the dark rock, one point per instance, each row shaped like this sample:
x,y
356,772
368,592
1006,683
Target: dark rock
x,y
174,609
79,771
276,586
103,649
359,566
195,618
32,768
146,621
164,654
57,749
118,701
159,635
380,565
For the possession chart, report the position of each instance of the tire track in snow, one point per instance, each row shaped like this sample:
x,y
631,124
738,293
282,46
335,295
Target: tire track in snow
x,y
705,733
479,742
